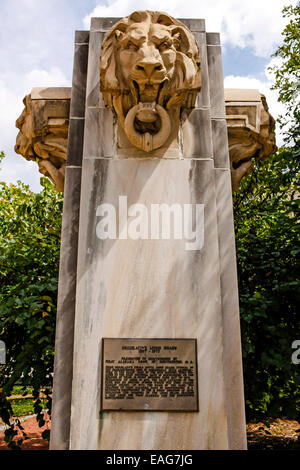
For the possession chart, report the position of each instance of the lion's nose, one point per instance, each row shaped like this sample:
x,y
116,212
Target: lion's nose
x,y
149,66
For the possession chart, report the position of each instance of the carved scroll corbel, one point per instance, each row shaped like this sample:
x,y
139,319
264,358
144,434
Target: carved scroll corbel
x,y
251,131
43,136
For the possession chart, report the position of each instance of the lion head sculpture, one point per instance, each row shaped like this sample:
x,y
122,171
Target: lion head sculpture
x,y
149,66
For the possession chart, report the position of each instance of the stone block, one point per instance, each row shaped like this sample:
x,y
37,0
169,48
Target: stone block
x,y
213,39
82,37
198,120
241,95
75,142
77,108
220,143
194,24
93,95
99,140
63,364
232,355
216,84
203,98
103,24
50,93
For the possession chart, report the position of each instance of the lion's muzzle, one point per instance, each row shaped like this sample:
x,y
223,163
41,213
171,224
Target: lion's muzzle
x,y
148,67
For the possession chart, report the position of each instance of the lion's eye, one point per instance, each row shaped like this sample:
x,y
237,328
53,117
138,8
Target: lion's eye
x,y
164,46
131,46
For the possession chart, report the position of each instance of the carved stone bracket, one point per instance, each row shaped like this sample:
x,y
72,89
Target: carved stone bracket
x,y
43,135
44,125
250,131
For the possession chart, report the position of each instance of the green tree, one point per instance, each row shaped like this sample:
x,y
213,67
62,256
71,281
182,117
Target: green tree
x,y
267,239
29,258
287,74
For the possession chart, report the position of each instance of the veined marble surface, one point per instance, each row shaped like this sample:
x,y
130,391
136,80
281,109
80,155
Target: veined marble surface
x,y
147,288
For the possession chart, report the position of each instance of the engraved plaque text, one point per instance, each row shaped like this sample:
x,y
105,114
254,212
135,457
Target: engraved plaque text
x,y
149,374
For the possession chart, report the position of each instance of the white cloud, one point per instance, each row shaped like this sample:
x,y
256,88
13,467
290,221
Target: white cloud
x,y
44,78
37,50
256,24
16,168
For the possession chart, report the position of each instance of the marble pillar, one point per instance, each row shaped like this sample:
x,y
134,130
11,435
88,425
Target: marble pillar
x,y
156,288
232,354
146,287
64,338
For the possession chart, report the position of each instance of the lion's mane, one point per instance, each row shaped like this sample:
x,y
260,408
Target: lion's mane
x,y
186,80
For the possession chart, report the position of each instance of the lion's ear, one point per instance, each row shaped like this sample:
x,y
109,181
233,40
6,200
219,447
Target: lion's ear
x,y
176,41
164,19
181,38
139,16
185,44
119,35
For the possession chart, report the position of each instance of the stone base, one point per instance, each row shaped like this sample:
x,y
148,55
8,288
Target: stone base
x,y
148,288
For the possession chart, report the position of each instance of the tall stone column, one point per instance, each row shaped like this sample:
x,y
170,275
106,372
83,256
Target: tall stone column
x,y
63,364
147,286
232,355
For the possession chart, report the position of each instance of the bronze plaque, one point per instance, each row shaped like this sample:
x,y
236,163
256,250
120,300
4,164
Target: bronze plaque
x,y
149,374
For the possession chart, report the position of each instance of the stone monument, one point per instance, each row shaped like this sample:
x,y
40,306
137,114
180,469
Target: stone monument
x,y
148,350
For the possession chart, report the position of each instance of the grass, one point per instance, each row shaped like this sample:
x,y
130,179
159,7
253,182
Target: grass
x,y
22,406
19,390
22,401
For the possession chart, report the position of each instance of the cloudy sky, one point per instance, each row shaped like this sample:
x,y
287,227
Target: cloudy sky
x,y
37,50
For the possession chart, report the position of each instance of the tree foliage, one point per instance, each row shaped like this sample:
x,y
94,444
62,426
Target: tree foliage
x,y
287,73
267,239
29,257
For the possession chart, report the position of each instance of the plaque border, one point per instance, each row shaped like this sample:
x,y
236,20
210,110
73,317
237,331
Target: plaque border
x,y
196,410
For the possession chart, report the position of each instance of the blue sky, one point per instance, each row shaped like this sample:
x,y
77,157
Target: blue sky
x,y
37,50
